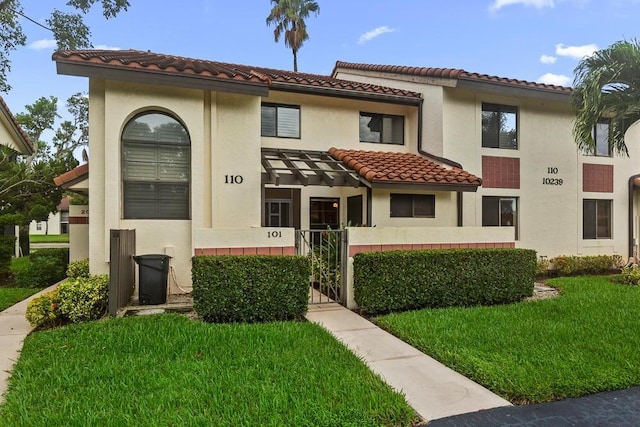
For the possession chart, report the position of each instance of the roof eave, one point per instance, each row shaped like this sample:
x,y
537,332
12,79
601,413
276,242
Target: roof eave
x,y
24,145
513,90
428,186
344,93
158,77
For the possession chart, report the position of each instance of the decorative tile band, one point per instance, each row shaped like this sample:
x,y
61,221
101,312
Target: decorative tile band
x,y
276,250
597,178
500,172
74,220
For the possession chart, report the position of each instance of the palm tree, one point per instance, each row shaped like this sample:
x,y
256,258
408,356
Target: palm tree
x,y
607,86
288,16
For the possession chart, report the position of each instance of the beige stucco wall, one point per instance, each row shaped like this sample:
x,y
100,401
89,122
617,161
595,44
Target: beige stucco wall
x,y
445,204
550,217
78,234
334,122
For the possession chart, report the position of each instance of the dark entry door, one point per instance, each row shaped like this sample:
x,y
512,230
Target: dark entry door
x,y
354,211
324,212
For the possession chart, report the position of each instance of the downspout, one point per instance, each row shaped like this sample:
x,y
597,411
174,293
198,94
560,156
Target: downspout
x,y
441,160
631,179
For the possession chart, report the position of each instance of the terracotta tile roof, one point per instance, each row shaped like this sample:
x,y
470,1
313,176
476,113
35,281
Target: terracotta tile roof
x,y
26,141
175,65
402,168
448,73
64,204
79,173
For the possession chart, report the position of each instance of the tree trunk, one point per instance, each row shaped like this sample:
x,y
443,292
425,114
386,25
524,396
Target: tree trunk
x,y
295,60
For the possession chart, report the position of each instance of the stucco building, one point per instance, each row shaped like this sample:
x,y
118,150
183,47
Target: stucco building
x,y
207,157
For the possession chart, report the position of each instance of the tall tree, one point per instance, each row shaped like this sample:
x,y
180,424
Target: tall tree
x,y
607,86
68,28
288,17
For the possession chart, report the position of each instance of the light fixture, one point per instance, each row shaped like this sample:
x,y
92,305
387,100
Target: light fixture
x,y
335,205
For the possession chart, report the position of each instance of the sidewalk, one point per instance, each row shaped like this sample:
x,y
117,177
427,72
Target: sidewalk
x,y
431,388
14,327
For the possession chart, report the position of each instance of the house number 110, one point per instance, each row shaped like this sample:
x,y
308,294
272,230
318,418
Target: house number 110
x,y
233,179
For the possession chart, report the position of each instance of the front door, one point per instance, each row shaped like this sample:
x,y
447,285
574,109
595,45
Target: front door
x,y
324,212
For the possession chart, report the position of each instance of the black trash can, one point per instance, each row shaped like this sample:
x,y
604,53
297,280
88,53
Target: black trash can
x,y
153,271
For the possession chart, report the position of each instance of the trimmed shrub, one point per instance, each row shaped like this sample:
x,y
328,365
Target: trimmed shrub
x,y
252,288
74,300
542,267
408,280
45,267
84,298
43,311
593,264
630,276
79,268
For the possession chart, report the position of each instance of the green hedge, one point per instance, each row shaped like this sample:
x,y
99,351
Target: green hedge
x,y
250,288
589,264
407,280
45,267
7,249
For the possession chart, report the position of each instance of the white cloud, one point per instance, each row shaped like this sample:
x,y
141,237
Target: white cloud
x,y
43,44
538,4
576,52
369,35
555,79
548,59
106,47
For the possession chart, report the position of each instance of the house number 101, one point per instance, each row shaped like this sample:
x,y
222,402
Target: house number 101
x,y
233,179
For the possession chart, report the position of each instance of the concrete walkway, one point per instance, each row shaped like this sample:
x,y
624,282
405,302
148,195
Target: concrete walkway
x,y
14,328
431,388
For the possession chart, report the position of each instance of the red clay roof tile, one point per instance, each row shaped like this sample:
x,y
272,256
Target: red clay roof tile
x,y
176,65
402,168
81,172
448,73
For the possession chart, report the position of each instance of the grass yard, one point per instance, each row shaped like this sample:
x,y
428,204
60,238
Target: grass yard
x,y
169,370
48,238
583,342
9,296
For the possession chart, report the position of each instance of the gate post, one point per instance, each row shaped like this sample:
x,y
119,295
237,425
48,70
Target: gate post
x,y
345,291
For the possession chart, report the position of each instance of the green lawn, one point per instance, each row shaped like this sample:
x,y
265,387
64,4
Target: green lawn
x,y
583,342
168,370
10,296
48,238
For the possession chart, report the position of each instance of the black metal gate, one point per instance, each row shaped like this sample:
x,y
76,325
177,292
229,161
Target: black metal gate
x,y
326,250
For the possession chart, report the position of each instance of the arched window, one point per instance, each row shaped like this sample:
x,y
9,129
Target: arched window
x,y
156,168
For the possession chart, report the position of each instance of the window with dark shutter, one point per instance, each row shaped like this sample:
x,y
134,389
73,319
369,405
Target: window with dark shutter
x,y
156,168
282,121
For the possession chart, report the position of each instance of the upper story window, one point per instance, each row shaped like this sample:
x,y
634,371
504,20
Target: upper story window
x,y
381,128
156,168
600,135
499,126
413,206
282,121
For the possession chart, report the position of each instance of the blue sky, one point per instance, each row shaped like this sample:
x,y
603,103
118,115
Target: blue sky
x,y
535,40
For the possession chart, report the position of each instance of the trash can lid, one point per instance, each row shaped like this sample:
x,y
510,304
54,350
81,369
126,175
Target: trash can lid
x,y
147,257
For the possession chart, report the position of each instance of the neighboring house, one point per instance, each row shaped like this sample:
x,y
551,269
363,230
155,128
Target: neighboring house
x,y
517,136
57,223
13,136
206,157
